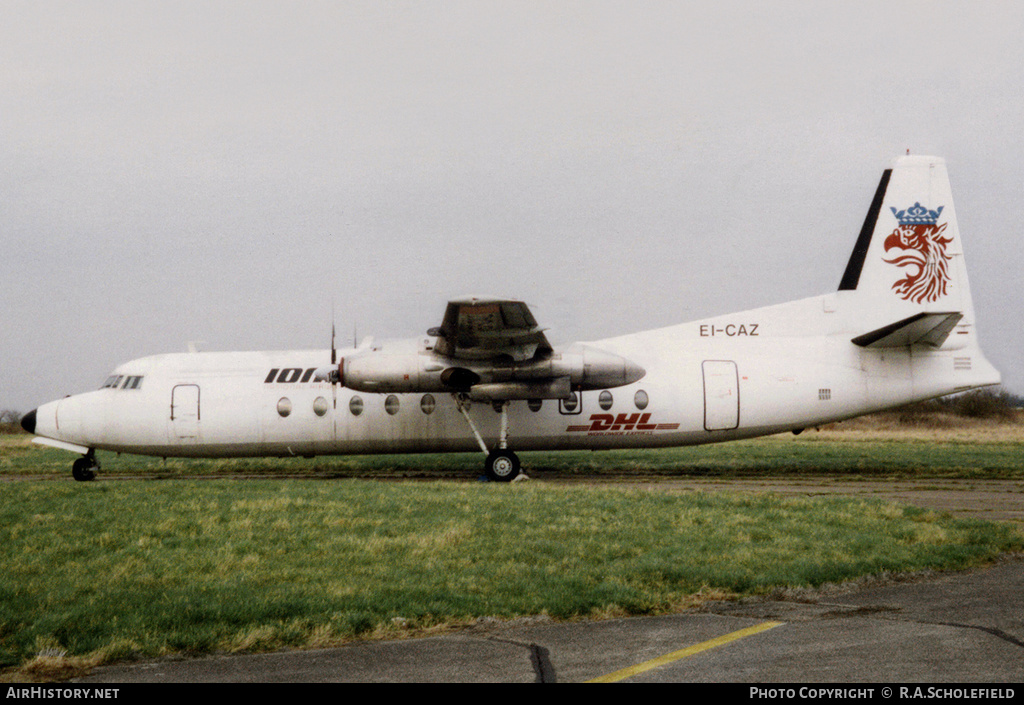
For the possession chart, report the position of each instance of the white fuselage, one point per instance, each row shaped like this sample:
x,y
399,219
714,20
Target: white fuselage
x,y
781,368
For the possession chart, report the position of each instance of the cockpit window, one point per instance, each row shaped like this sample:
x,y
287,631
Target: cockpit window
x,y
123,382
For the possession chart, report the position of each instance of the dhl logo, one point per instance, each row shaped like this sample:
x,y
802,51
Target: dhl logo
x,y
621,423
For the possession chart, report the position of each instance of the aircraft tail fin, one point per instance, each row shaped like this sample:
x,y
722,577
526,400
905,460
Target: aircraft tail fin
x,y
907,267
906,287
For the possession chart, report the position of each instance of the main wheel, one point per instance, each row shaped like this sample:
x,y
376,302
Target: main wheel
x,y
501,466
83,470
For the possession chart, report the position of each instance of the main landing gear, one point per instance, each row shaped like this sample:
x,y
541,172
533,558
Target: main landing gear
x,y
502,465
84,469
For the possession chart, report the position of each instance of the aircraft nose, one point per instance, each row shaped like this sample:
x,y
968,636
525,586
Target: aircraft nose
x,y
28,421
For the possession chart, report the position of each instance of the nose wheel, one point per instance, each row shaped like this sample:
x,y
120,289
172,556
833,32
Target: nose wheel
x,y
84,469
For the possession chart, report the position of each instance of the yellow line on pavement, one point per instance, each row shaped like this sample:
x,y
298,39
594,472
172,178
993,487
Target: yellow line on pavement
x,y
683,653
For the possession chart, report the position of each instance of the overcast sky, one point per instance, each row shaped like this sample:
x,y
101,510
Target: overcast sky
x,y
229,172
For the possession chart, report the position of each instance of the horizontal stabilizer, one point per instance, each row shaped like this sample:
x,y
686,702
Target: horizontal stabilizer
x,y
922,329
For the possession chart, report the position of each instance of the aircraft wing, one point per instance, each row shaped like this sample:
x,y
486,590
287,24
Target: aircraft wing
x,y
476,328
488,349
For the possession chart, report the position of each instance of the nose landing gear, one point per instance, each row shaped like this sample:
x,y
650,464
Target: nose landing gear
x,y
84,469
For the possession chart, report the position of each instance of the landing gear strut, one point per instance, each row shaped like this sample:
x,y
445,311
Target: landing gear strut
x,y
84,469
502,465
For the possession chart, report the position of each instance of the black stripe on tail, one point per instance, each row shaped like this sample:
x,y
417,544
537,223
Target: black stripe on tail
x,y
860,250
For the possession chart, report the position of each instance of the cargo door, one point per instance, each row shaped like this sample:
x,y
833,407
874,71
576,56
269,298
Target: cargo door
x,y
721,395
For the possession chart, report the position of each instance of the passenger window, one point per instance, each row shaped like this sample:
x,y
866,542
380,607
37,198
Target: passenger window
x,y
427,404
641,399
355,405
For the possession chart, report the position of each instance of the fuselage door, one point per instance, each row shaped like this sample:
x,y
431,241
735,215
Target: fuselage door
x,y
185,412
721,395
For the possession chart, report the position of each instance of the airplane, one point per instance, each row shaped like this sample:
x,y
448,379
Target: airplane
x,y
900,328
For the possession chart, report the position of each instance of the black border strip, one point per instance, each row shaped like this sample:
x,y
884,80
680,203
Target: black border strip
x,y
860,250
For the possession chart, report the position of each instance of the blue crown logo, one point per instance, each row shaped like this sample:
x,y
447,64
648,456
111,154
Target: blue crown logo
x,y
917,215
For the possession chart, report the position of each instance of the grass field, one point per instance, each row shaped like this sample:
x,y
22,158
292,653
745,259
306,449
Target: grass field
x,y
868,448
97,572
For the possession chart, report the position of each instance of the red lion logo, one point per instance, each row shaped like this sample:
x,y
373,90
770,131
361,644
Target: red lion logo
x,y
924,254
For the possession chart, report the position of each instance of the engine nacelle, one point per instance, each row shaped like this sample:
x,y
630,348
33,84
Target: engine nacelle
x,y
506,391
596,369
579,367
392,373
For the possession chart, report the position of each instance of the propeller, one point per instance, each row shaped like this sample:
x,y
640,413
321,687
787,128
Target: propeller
x,y
333,376
330,374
